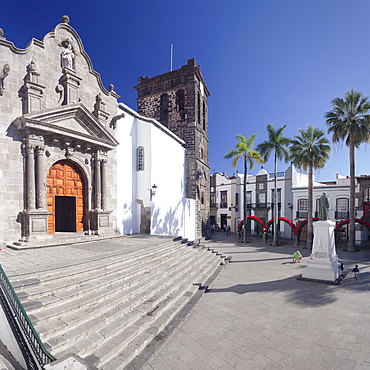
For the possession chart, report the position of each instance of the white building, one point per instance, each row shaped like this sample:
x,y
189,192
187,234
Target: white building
x,y
292,187
150,179
227,198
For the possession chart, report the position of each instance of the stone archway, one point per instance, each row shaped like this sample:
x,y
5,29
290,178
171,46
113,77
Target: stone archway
x,y
65,198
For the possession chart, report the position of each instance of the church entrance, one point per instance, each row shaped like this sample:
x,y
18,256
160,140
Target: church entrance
x,y
65,197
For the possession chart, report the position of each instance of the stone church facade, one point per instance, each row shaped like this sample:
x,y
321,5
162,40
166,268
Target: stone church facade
x,y
178,100
57,140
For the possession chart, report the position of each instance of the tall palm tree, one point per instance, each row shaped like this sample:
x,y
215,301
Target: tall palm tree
x,y
309,150
276,143
244,148
349,121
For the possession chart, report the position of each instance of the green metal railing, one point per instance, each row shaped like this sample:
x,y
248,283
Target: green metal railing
x,y
22,327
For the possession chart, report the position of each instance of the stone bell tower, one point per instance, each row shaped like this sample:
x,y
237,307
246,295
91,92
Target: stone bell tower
x,y
178,99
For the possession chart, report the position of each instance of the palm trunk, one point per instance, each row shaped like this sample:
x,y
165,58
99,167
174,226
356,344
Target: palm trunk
x,y
245,202
275,216
309,209
351,240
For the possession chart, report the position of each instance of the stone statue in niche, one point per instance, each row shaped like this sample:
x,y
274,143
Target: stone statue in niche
x,y
323,207
68,54
3,73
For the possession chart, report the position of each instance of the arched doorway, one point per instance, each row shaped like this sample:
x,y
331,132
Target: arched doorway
x,y
65,197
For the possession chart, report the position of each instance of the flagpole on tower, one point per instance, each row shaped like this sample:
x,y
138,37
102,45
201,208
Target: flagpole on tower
x,y
171,57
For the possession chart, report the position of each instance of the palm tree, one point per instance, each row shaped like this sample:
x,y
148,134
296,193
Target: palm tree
x,y
244,148
349,121
308,151
276,143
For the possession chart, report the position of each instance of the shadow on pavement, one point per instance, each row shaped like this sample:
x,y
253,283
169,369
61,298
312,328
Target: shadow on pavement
x,y
314,296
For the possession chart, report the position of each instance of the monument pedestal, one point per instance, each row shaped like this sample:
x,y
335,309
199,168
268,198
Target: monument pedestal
x,y
323,262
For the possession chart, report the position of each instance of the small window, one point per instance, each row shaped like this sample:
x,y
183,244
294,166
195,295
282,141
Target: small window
x,y
342,205
180,101
198,107
223,199
140,159
164,109
302,205
204,115
366,195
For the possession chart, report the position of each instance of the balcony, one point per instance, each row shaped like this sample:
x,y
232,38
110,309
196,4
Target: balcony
x,y
261,205
341,215
214,205
223,205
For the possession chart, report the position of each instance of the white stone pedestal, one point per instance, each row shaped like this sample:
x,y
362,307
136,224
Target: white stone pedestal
x,y
323,262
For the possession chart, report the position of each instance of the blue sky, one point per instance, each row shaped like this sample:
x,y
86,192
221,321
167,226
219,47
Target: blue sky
x,y
264,61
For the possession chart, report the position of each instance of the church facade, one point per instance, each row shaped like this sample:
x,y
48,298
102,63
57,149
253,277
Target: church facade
x,y
60,130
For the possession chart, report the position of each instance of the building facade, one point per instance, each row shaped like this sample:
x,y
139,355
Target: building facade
x,y
62,172
58,149
178,100
226,199
148,200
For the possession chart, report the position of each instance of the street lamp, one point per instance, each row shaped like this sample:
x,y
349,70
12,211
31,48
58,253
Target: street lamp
x,y
153,190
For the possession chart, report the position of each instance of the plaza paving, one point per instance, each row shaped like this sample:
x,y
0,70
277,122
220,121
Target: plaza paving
x,y
257,315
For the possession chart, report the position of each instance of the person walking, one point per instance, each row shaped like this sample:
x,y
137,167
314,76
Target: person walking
x,y
356,271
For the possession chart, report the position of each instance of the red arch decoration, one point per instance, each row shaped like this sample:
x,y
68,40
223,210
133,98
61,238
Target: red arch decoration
x,y
256,219
303,223
286,220
345,222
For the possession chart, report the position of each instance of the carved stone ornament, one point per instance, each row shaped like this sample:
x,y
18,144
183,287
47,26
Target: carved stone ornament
x,y
67,54
3,73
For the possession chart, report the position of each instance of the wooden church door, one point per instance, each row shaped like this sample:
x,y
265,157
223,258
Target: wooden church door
x,y
65,198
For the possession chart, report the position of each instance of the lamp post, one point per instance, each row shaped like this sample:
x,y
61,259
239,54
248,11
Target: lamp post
x,y
153,190
290,206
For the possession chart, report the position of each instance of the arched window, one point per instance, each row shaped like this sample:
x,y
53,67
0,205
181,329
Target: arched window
x,y
140,159
198,107
302,208
366,194
341,211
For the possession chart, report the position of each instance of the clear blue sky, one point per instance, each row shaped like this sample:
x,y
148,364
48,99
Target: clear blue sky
x,y
264,61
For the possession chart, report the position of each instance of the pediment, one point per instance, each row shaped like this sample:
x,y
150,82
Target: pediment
x,y
72,121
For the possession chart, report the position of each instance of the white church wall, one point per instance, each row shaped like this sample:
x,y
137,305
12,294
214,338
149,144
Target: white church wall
x,y
164,161
127,210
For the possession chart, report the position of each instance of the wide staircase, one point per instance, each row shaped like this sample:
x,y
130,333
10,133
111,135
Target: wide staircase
x,y
109,309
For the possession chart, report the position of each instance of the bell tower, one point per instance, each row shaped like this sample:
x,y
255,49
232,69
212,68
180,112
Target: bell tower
x,y
178,100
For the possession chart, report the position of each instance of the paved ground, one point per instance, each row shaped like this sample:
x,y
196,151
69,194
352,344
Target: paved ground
x,y
257,315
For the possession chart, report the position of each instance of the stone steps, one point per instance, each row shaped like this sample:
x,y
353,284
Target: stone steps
x,y
131,291
109,308
85,277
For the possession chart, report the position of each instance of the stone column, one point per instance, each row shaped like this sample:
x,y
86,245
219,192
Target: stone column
x,y
40,188
104,184
30,168
97,181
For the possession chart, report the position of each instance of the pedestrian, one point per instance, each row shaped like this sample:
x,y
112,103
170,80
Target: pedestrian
x,y
342,271
228,230
356,271
297,256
